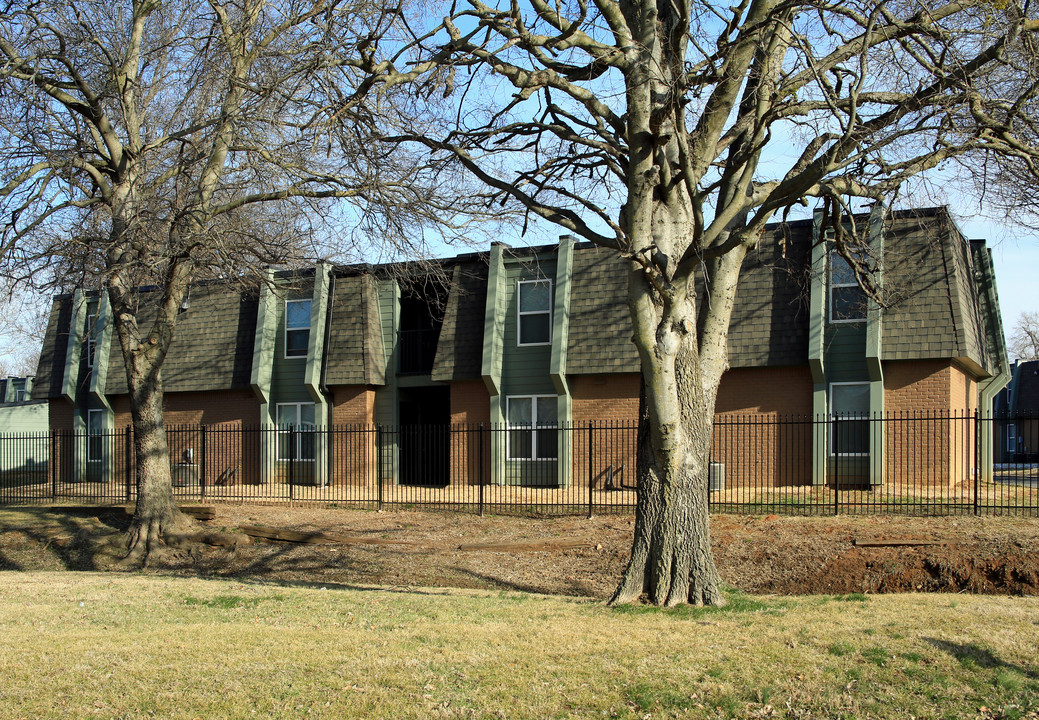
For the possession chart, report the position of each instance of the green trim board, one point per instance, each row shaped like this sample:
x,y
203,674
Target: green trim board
x,y
387,397
102,332
263,345
74,350
491,365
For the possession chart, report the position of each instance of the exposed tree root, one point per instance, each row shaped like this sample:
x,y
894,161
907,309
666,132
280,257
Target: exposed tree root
x,y
150,540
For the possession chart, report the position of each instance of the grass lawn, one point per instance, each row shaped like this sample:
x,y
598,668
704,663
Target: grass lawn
x,y
84,645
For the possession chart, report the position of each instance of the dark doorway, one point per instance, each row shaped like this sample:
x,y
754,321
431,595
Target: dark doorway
x,y
425,447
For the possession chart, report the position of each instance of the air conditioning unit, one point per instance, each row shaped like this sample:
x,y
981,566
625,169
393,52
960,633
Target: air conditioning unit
x,y
716,477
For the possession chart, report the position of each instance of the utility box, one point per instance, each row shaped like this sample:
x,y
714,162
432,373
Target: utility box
x,y
716,477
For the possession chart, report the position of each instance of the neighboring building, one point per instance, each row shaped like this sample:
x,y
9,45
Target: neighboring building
x,y
533,338
26,421
1017,416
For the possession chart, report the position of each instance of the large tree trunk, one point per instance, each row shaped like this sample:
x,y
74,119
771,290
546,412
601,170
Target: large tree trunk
x,y
671,560
157,522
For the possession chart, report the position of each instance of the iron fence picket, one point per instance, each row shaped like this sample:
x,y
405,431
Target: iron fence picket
x,y
757,464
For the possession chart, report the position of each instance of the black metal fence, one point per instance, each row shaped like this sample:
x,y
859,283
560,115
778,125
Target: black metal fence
x,y
927,464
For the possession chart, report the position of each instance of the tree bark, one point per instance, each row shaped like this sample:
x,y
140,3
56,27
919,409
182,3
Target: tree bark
x,y
671,560
157,523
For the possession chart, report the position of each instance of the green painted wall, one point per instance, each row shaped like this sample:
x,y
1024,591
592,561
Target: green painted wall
x,y
28,450
846,353
288,374
525,370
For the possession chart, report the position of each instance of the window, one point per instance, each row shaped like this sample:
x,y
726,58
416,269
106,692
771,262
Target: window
x,y
532,428
19,389
847,299
849,409
535,312
296,431
95,435
91,337
297,328
1011,437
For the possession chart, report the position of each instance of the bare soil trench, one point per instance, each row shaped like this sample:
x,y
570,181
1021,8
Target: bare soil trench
x,y
581,556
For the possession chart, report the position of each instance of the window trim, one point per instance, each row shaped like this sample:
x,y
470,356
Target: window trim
x,y
1012,437
92,338
296,429
831,286
91,435
532,429
520,313
834,418
285,348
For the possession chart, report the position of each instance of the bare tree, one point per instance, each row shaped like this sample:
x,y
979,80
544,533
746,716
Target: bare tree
x,y
1024,339
673,132
150,143
23,323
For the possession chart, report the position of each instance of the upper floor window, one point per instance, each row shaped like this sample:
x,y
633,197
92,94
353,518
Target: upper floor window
x,y
91,336
847,299
534,324
297,328
19,389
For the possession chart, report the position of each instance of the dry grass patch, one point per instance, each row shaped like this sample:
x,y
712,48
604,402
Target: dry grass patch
x,y
118,646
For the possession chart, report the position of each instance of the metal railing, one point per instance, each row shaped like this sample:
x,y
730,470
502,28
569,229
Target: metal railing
x,y
919,463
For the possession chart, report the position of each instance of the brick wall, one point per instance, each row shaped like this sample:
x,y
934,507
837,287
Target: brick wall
x,y
929,439
782,391
470,403
763,427
611,402
354,460
353,405
470,406
223,453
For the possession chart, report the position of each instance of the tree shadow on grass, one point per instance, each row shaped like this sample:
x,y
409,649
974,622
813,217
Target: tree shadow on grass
x,y
74,539
969,653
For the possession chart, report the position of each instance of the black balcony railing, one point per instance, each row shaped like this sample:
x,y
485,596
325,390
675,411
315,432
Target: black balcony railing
x,y
416,350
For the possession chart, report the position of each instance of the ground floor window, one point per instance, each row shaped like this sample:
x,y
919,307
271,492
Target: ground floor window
x,y
1011,437
95,435
296,431
532,421
849,412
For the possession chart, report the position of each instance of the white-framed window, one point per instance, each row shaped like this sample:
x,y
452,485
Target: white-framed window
x,y
297,328
95,435
18,386
847,300
532,421
849,418
534,312
296,431
91,337
1011,437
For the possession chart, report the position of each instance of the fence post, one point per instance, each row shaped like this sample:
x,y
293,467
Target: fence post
x,y
378,465
202,464
479,459
292,462
127,448
590,500
54,465
835,433
977,460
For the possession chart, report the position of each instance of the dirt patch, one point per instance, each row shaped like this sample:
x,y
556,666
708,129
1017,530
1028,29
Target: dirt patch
x,y
580,556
